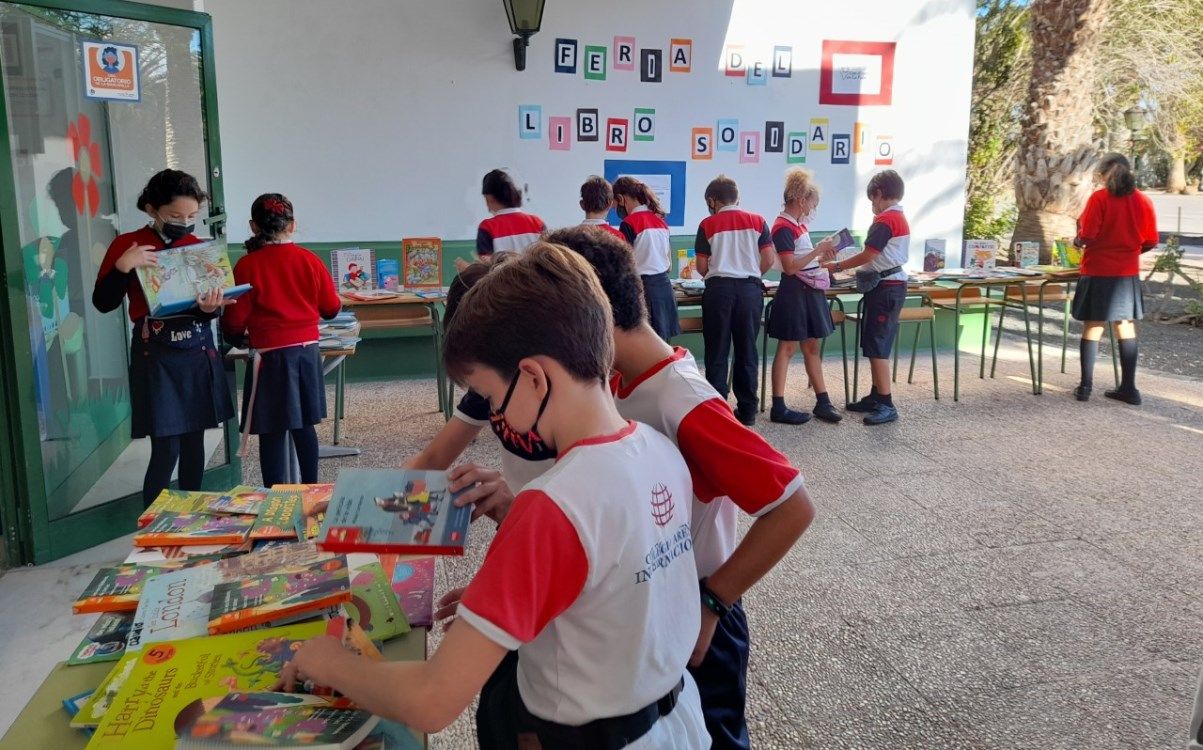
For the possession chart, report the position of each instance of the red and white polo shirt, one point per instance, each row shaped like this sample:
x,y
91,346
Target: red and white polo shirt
x,y
730,465
591,578
510,230
648,234
790,237
604,226
890,239
733,238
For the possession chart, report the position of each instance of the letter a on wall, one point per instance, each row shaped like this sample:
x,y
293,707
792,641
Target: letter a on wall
x,y
559,133
530,122
703,143
818,134
680,55
795,148
749,147
588,126
651,63
566,56
617,131
624,53
645,124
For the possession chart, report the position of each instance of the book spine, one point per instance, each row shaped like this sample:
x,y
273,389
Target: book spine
x,y
235,621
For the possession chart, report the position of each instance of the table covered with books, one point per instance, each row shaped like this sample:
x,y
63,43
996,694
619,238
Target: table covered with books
x,y
219,590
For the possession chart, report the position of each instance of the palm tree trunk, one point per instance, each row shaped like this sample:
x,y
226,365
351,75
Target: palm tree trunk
x,y
1057,151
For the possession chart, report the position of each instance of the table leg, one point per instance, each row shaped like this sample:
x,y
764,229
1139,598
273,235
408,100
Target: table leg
x,y
981,370
844,347
338,367
1040,340
764,352
1069,287
1027,324
956,345
1002,316
860,318
910,376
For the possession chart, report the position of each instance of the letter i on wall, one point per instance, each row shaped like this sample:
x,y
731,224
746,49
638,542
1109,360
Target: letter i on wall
x,y
559,133
860,137
703,143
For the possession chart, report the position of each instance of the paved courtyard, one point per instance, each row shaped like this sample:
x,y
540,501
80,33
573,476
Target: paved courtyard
x,y
1009,571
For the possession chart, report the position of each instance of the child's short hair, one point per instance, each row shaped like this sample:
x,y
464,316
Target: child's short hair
x,y
887,185
799,185
596,194
166,186
614,262
498,185
463,281
548,302
722,189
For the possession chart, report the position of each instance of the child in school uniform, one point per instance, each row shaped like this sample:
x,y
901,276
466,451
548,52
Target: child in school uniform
x,y
284,394
509,229
887,247
643,226
733,248
178,386
603,631
597,198
800,315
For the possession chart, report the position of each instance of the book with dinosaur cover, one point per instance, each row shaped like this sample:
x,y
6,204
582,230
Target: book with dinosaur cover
x,y
139,703
183,273
283,720
106,639
185,529
281,593
394,510
177,501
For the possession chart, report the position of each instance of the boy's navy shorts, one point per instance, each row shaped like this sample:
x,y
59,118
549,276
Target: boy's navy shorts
x,y
882,306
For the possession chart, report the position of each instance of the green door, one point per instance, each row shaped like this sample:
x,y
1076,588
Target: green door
x,y
98,95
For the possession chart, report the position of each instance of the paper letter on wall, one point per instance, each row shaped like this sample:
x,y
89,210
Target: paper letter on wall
x,y
588,125
841,148
728,135
783,62
884,154
559,133
818,134
566,56
749,147
645,124
530,121
774,137
795,148
595,63
616,134
680,58
733,57
650,62
703,143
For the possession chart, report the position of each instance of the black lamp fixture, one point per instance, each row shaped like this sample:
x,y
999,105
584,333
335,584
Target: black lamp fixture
x,y
525,17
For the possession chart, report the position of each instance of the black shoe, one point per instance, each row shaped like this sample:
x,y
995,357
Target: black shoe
x,y
746,416
1128,397
1082,393
827,412
868,403
881,415
788,416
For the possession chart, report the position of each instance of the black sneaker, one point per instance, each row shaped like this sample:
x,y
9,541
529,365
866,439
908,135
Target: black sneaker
x,y
866,404
827,412
746,415
881,415
1128,397
1082,393
788,416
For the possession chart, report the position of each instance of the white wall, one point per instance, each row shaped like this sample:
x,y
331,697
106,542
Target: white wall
x,y
378,118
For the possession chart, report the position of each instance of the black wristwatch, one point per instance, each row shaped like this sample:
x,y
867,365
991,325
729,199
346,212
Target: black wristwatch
x,y
711,601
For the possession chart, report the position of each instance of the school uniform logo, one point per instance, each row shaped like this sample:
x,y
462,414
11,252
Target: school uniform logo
x,y
662,505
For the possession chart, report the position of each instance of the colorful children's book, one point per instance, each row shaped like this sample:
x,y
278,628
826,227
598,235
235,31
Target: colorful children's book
x,y
139,703
74,703
388,274
412,580
177,501
422,262
262,561
843,239
352,268
282,720
687,263
184,273
1066,253
195,553
240,500
1027,254
934,255
186,529
374,604
174,606
117,589
352,636
394,510
106,639
284,592
980,253
281,516
389,735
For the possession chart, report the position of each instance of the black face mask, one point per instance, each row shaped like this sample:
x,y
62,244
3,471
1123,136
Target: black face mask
x,y
525,445
622,211
176,232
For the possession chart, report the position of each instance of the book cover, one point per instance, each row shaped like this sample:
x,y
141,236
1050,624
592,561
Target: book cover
x,y
374,604
241,500
422,262
74,703
1027,254
174,606
353,637
933,255
687,263
184,273
280,516
261,561
843,239
116,589
177,501
394,510
272,720
412,580
389,735
106,639
388,274
352,268
138,704
186,529
195,553
980,253
258,599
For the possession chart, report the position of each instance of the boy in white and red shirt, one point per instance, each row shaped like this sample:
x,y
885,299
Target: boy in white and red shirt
x,y
509,229
733,249
603,631
887,247
597,198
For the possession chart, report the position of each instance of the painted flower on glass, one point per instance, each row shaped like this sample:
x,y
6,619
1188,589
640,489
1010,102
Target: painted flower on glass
x,y
84,190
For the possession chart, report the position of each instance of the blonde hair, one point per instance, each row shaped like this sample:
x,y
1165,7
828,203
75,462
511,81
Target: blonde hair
x,y
799,185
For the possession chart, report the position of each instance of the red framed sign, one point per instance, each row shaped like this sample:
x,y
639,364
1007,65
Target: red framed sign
x,y
856,73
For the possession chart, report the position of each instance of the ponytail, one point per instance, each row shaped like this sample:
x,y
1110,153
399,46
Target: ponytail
x,y
1117,174
640,193
272,213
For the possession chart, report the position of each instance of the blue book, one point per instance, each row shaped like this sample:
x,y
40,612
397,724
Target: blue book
x,y
388,274
394,511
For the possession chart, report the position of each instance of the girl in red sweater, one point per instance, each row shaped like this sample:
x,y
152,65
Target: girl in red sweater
x,y
1117,225
284,393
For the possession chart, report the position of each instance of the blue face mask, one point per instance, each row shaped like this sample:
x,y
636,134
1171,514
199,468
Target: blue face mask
x,y
525,445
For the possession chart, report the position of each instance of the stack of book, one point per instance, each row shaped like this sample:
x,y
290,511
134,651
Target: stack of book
x,y
341,332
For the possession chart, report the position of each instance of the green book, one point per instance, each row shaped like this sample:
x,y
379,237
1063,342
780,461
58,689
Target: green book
x,y
280,516
374,604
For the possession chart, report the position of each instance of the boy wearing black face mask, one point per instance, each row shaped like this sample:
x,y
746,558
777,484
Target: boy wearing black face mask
x,y
178,388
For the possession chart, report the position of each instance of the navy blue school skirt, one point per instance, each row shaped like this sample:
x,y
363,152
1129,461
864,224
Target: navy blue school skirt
x,y
799,312
177,383
661,305
291,393
1108,298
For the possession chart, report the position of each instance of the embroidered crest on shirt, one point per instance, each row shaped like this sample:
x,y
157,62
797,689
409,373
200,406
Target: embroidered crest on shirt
x,y
662,505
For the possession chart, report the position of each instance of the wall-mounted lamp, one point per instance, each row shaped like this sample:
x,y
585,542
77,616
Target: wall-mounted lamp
x,y
525,17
